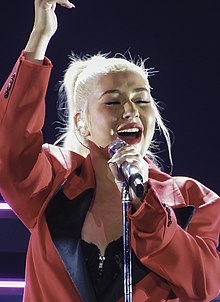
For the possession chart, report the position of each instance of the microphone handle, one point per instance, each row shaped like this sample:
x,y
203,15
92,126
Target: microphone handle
x,y
133,178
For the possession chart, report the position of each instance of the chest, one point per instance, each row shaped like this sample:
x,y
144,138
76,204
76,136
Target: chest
x,y
102,224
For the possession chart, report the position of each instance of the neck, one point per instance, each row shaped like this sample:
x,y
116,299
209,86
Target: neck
x,y
105,184
101,168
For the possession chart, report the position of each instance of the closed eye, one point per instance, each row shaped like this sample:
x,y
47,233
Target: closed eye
x,y
142,101
112,102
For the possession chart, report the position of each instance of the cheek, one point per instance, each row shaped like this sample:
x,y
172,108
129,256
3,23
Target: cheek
x,y
149,126
152,122
149,119
102,120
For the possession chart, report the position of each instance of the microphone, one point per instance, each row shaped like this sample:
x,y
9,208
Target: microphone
x,y
129,172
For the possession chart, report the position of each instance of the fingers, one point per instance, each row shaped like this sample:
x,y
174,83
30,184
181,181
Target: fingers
x,y
64,3
132,156
52,3
67,4
127,153
117,175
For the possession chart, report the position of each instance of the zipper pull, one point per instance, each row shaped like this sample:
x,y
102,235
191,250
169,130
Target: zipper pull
x,y
101,263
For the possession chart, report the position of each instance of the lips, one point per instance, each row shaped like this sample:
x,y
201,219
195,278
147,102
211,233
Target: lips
x,y
130,133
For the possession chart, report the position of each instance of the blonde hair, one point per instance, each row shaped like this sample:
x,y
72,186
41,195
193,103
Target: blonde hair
x,y
74,92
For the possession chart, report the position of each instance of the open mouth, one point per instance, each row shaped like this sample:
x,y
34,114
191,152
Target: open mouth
x,y
130,135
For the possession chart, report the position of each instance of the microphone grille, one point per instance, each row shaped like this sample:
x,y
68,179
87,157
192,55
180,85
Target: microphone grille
x,y
115,145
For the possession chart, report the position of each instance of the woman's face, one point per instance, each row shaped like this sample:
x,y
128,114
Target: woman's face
x,y
120,107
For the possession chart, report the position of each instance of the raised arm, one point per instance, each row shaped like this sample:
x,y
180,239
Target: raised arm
x,y
26,172
45,25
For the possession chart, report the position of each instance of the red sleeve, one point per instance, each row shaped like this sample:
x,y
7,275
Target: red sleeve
x,y
24,168
188,260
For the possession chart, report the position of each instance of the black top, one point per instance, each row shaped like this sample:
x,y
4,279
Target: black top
x,y
103,269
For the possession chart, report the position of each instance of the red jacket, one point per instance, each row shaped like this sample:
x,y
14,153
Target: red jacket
x,y
181,262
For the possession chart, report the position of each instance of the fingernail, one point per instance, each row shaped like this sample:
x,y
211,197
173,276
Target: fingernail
x,y
70,5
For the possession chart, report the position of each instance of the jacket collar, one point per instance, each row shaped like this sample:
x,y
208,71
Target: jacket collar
x,y
80,180
79,173
83,178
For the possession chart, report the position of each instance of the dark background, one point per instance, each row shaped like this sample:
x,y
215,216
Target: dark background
x,y
181,40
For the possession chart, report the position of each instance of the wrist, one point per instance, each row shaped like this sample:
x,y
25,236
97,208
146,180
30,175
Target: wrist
x,y
36,47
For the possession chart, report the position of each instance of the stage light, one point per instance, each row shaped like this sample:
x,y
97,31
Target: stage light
x,y
4,206
12,283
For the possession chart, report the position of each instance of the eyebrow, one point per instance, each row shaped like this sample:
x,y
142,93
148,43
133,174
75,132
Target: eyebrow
x,y
109,92
112,91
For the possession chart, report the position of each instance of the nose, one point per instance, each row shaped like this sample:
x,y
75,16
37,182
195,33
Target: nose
x,y
130,110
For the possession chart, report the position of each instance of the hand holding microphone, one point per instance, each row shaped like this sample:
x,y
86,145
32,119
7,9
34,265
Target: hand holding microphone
x,y
128,165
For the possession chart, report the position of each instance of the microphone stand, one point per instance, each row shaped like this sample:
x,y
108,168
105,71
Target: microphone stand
x,y
126,200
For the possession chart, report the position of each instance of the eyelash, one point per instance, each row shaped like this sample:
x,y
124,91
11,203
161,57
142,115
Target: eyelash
x,y
142,101
113,103
138,101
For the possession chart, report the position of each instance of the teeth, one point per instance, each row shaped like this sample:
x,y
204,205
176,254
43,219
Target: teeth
x,y
131,130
